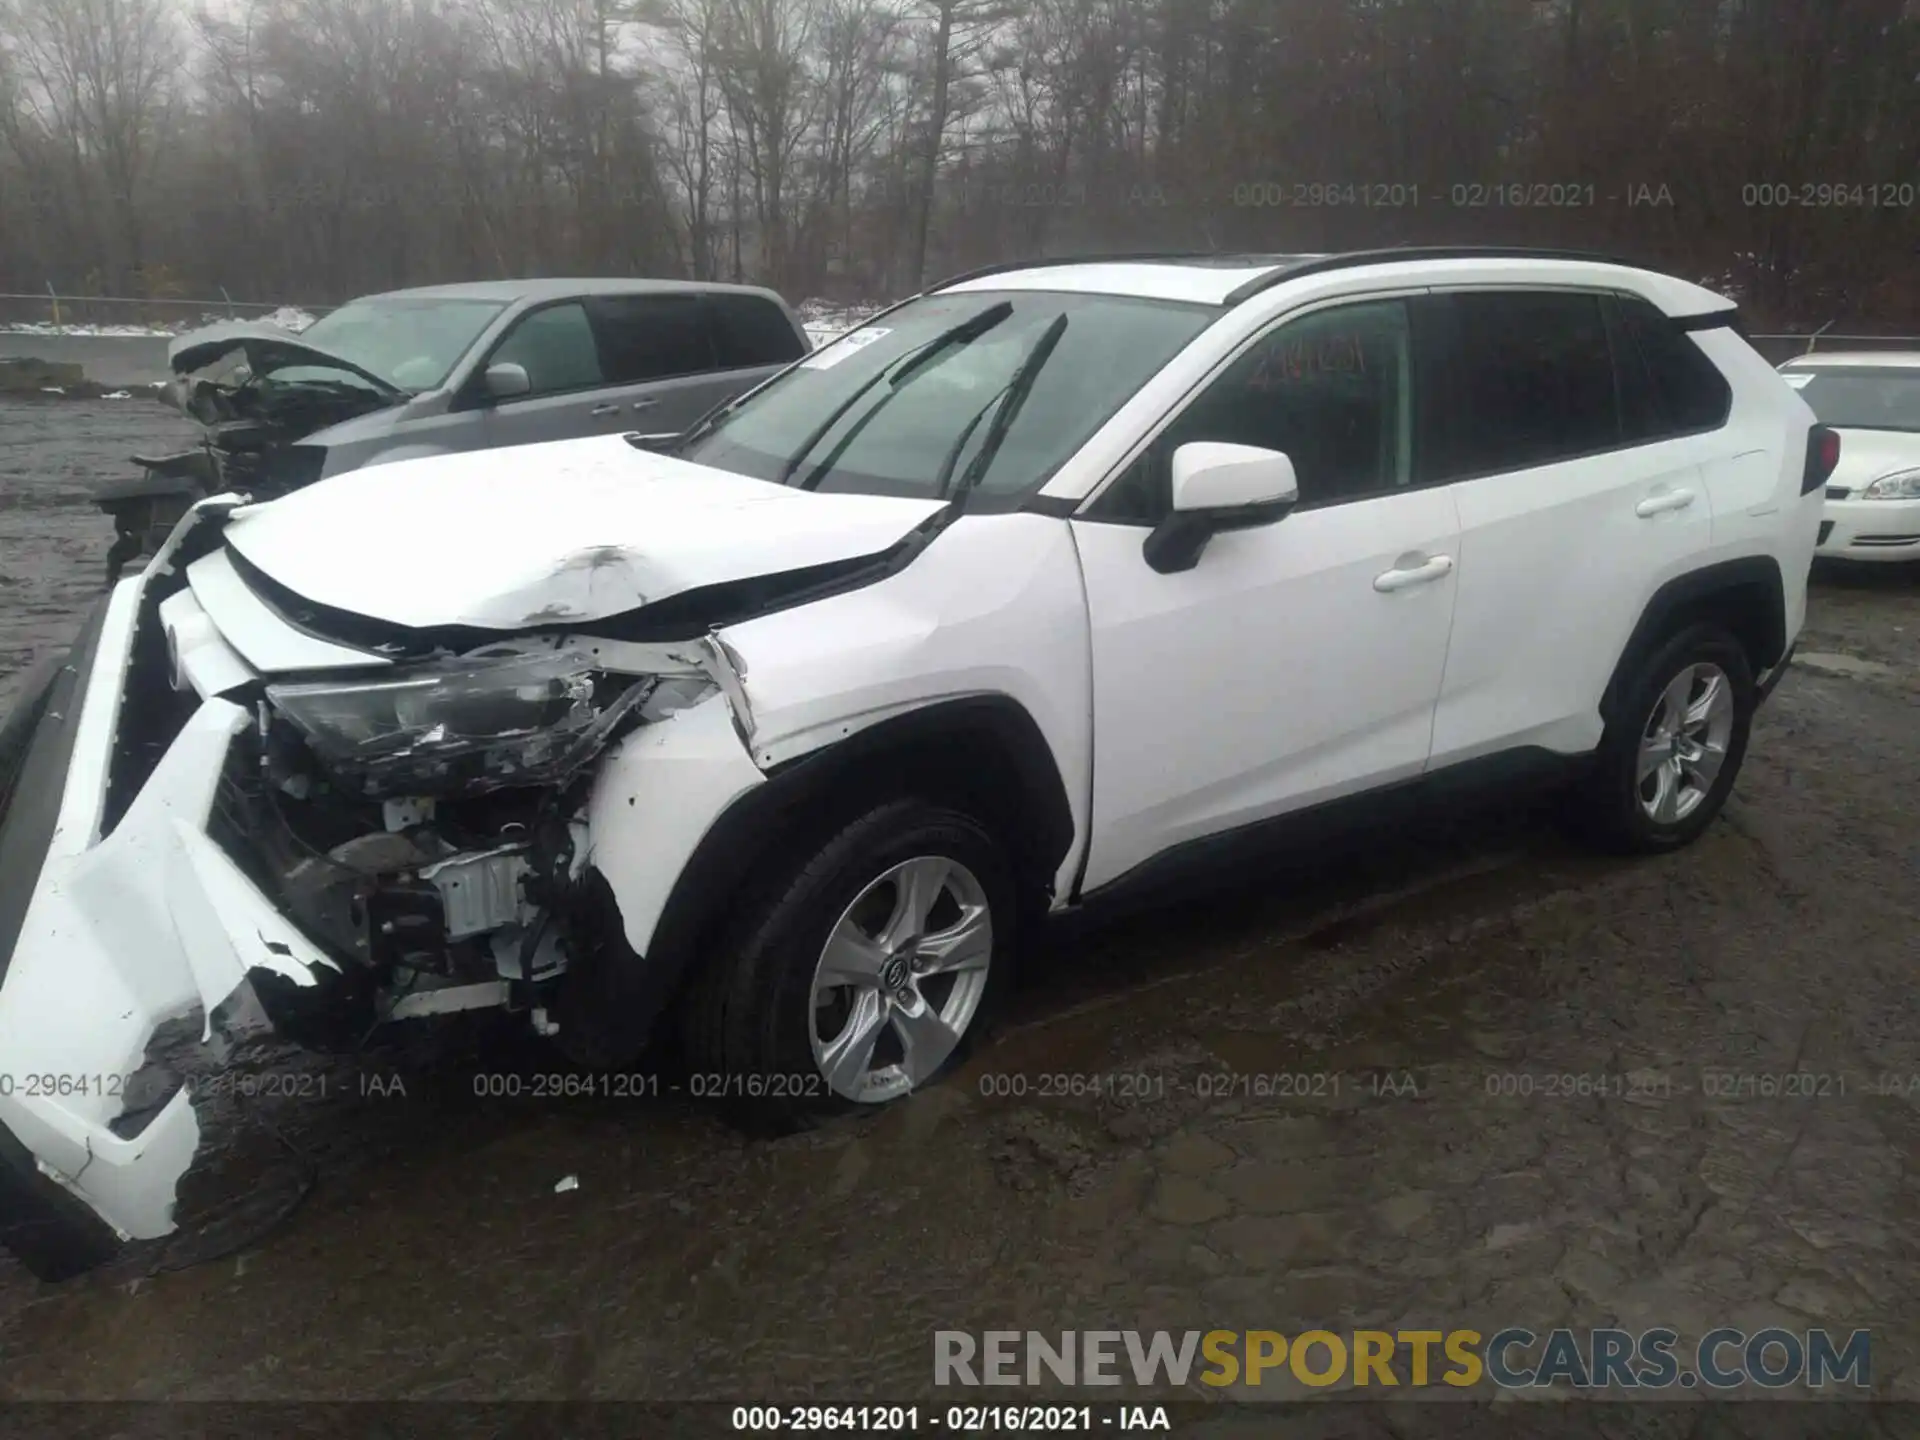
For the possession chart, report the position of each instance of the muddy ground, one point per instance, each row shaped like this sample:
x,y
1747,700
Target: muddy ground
x,y
1427,1166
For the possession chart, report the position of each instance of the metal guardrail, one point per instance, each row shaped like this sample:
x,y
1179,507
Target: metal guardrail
x,y
1786,347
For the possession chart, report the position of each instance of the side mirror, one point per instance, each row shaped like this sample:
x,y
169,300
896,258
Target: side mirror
x,y
1219,487
506,380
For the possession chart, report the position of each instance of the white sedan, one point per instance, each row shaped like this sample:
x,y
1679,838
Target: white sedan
x,y
1873,496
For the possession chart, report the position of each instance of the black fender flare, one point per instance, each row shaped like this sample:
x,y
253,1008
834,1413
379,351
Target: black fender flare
x,y
1752,583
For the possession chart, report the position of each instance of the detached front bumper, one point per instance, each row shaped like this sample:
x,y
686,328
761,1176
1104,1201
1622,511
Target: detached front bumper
x,y
1870,530
108,930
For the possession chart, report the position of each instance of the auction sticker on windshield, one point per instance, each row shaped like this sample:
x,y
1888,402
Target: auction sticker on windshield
x,y
843,347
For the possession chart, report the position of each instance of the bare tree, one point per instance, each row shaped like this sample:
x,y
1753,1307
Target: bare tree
x,y
97,76
693,103
315,149
960,30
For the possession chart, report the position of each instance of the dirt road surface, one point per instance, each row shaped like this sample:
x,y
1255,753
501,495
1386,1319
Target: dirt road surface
x,y
1475,1078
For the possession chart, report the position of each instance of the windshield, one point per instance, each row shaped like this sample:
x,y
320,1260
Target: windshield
x,y
1861,399
413,344
908,404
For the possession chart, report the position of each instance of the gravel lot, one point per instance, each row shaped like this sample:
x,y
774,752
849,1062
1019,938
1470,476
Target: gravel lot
x,y
1432,1175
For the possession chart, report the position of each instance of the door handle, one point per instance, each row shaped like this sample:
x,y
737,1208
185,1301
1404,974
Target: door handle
x,y
1404,578
600,410
1660,504
647,404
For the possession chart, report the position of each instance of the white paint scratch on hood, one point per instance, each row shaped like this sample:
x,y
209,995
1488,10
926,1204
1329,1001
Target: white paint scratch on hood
x,y
537,534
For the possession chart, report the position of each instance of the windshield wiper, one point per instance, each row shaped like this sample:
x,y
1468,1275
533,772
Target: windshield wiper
x,y
1009,400
704,426
964,333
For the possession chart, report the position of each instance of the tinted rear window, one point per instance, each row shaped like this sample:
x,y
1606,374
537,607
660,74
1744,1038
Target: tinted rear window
x,y
1530,381
652,337
752,330
1882,398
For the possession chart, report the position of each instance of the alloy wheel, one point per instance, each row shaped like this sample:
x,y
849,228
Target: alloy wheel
x,y
901,978
1684,743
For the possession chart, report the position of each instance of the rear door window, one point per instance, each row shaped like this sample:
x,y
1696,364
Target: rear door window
x,y
1529,380
653,337
751,330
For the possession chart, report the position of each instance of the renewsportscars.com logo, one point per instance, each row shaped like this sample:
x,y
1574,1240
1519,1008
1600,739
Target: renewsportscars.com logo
x,y
1511,1359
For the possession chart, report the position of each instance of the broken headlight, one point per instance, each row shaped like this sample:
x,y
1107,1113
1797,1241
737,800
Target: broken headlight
x,y
463,726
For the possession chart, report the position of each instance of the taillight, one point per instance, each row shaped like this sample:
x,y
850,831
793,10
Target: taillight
x,y
1823,458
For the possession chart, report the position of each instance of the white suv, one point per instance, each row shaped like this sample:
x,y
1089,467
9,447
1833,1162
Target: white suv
x,y
1034,591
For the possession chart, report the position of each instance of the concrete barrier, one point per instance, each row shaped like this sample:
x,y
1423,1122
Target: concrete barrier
x,y
113,361
32,376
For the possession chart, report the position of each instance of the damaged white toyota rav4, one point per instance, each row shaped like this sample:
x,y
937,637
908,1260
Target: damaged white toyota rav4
x,y
1038,588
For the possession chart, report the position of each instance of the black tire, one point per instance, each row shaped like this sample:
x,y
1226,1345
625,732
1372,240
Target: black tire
x,y
17,730
1607,810
746,1021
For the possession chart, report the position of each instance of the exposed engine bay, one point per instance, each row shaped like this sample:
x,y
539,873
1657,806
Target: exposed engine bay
x,y
258,393
426,824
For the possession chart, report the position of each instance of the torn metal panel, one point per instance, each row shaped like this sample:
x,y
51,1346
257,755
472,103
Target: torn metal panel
x,y
653,799
481,892
450,999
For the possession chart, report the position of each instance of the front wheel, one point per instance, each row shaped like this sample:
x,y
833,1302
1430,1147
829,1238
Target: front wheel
x,y
1669,758
860,972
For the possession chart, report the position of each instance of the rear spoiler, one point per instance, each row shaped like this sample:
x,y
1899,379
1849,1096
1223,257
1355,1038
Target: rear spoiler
x,y
1728,319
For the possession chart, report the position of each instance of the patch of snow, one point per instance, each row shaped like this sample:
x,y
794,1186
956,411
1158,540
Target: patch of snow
x,y
36,327
118,395
568,1182
289,317
52,390
825,321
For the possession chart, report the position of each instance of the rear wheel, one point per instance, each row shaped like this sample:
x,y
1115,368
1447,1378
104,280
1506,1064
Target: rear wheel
x,y
860,972
1669,759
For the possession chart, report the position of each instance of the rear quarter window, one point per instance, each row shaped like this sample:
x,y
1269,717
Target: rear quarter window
x,y
751,330
1685,391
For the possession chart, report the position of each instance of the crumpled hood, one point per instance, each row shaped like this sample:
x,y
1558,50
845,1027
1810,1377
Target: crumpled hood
x,y
267,348
574,530
1866,455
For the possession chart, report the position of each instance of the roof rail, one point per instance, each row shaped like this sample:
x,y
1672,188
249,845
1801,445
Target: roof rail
x,y
1131,257
1414,252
